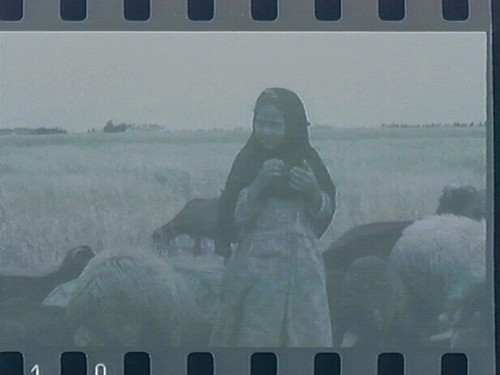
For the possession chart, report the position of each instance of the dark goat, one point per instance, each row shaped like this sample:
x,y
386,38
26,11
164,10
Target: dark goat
x,y
373,305
375,239
37,288
197,219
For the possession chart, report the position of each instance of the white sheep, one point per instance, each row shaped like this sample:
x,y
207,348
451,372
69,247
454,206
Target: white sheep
x,y
441,259
203,277
131,298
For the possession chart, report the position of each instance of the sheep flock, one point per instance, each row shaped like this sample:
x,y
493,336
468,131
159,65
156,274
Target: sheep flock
x,y
420,282
424,282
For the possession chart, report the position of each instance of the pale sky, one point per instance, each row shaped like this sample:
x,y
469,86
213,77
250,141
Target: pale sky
x,y
78,81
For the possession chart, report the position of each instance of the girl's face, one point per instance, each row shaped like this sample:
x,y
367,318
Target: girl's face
x,y
269,126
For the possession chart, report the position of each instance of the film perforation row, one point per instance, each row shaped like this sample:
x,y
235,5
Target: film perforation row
x,y
203,363
261,10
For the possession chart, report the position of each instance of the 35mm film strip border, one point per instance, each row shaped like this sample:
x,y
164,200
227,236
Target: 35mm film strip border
x,y
249,15
261,10
139,363
495,72
175,14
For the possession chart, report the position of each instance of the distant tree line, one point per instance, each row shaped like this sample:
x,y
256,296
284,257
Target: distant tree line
x,y
28,131
436,125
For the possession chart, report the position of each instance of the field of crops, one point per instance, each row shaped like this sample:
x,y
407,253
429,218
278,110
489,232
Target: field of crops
x,y
113,190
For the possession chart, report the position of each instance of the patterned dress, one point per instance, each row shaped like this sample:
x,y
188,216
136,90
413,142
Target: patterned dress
x,y
273,289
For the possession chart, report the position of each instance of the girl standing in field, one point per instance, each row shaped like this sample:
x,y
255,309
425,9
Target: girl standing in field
x,y
279,198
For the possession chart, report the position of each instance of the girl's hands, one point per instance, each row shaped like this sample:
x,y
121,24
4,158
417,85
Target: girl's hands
x,y
271,170
304,180
300,179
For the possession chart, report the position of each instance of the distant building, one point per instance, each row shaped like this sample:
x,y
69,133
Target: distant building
x,y
111,128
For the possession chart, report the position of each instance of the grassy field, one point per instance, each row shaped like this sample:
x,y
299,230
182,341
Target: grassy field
x,y
113,190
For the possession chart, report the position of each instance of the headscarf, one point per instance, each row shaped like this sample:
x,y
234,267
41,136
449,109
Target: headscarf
x,y
293,151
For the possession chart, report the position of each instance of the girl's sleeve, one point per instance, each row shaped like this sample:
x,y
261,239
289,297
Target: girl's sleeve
x,y
247,209
322,217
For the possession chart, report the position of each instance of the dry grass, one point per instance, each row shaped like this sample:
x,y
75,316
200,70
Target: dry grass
x,y
112,190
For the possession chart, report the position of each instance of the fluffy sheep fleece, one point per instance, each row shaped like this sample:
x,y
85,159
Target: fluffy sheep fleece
x,y
203,277
373,305
133,299
441,259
